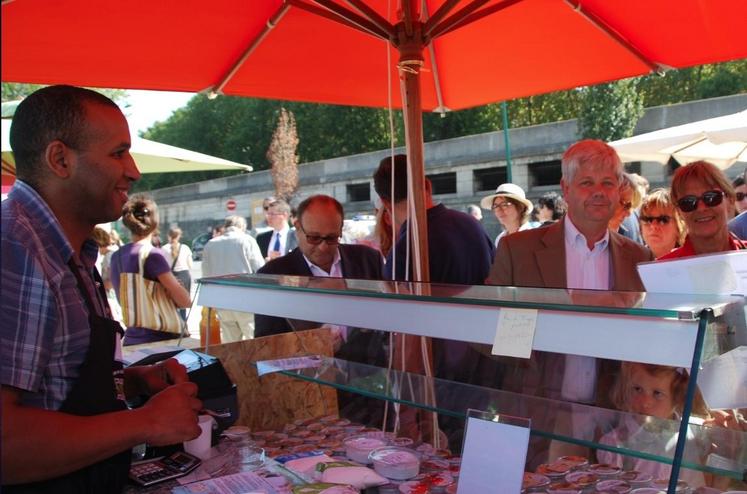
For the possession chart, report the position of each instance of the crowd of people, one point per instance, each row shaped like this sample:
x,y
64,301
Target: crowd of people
x,y
66,426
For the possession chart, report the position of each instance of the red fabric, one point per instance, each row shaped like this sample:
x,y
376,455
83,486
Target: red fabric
x,y
688,250
532,47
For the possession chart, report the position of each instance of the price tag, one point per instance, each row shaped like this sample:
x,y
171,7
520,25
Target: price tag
x,y
515,333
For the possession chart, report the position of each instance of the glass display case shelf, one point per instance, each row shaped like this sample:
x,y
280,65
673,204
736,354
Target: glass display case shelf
x,y
651,442
580,322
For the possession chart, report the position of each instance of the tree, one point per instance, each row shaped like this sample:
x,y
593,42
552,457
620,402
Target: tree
x,y
282,155
15,90
610,111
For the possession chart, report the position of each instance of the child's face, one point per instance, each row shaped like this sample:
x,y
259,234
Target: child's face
x,y
649,394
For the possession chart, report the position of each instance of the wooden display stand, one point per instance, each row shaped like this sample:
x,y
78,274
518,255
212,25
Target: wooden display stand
x,y
273,400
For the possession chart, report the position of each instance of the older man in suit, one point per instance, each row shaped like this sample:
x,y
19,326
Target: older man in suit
x,y
319,253
280,240
576,252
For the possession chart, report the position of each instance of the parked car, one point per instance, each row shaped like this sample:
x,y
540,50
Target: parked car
x,y
198,244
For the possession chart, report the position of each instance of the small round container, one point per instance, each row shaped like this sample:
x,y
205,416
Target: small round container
x,y
604,470
435,465
250,456
582,479
395,463
647,490
663,484
578,462
564,486
556,471
614,485
534,481
403,442
709,490
357,448
238,433
636,479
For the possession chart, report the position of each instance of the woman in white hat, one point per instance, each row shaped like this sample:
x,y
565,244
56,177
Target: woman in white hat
x,y
511,207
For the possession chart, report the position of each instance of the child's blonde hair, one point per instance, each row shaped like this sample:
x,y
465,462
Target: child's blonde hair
x,y
620,394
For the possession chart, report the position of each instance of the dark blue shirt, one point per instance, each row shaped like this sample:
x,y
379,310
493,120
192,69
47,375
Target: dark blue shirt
x,y
459,249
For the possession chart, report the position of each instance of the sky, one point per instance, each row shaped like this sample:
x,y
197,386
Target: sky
x,y
147,107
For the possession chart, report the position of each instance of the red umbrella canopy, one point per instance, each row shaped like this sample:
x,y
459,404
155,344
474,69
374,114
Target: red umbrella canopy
x,y
509,49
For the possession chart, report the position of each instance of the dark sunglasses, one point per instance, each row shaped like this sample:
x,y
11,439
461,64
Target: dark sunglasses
x,y
627,206
140,212
318,239
662,220
741,196
711,199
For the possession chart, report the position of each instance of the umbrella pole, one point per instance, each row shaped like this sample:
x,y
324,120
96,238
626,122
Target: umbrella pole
x,y
416,350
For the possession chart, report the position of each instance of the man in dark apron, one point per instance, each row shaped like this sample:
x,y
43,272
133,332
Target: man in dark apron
x,y
65,424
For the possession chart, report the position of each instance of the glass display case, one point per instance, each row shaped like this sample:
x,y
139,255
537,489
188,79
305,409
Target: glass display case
x,y
574,329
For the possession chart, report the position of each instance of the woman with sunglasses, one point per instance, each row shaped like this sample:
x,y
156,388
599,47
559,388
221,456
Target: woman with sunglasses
x,y
662,228
704,196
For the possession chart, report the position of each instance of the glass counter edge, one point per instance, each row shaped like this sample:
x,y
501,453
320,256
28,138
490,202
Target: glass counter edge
x,y
682,313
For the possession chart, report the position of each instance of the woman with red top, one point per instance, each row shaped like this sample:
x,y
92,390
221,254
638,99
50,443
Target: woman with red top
x,y
704,197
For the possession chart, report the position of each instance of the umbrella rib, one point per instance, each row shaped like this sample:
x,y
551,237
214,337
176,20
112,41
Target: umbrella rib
x,y
342,15
479,15
271,23
372,16
434,64
438,15
455,18
614,35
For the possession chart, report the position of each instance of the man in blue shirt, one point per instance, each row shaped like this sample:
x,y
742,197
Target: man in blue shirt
x,y
65,426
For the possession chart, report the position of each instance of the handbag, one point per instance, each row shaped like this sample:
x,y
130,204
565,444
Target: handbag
x,y
146,303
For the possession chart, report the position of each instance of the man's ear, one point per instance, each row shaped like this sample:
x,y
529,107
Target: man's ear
x,y
57,158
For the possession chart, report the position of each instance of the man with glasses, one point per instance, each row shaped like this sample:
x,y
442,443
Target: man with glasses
x,y
280,239
319,253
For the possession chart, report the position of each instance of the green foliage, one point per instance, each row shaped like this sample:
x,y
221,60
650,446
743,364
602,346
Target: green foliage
x,y
610,111
15,90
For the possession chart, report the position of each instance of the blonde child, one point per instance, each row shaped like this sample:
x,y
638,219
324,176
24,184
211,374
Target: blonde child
x,y
655,392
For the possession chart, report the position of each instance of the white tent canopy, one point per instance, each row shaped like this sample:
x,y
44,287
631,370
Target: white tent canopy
x,y
152,157
720,140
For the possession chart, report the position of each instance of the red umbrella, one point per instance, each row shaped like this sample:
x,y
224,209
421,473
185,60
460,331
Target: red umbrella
x,y
452,54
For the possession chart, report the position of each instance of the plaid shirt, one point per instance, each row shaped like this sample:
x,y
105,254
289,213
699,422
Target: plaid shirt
x,y
44,329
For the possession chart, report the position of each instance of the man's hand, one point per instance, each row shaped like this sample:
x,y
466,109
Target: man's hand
x,y
150,379
172,415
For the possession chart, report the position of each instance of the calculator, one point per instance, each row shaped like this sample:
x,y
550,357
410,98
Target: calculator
x,y
149,472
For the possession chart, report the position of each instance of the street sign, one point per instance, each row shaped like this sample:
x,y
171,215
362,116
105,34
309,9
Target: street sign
x,y
230,205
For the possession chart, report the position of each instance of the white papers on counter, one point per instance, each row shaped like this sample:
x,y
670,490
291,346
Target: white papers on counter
x,y
270,366
240,483
722,273
723,380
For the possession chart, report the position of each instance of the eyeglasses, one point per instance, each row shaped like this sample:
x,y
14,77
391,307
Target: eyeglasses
x,y
711,199
140,212
627,206
741,196
318,239
502,205
662,220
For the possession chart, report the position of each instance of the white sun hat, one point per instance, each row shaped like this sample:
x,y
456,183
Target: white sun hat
x,y
511,191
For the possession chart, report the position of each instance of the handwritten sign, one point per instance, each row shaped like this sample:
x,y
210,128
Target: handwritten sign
x,y
515,333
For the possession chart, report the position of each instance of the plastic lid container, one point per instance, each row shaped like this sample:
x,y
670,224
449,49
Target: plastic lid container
x,y
614,485
395,463
358,447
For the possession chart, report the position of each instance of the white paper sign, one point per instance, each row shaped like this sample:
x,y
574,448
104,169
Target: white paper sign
x,y
723,380
515,333
270,366
721,273
493,457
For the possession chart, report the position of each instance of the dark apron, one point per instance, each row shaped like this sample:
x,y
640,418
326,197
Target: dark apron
x,y
99,389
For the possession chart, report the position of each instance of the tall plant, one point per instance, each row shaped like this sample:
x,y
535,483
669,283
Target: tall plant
x,y
283,156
